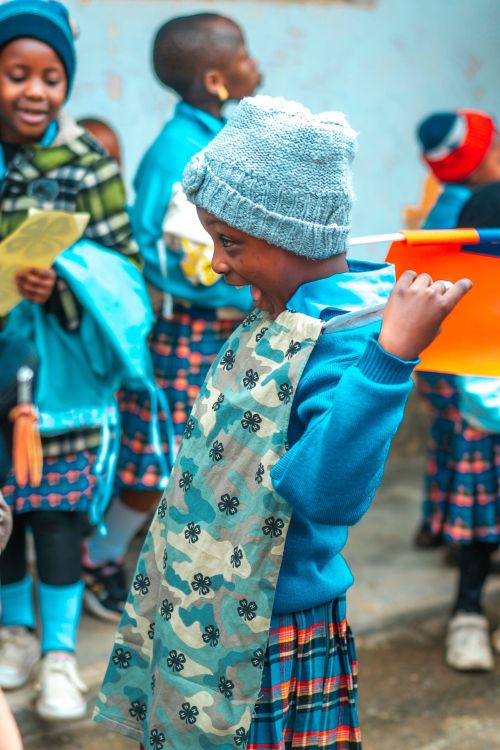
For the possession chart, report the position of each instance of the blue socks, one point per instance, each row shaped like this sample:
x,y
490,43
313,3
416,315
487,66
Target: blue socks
x,y
60,609
123,523
17,604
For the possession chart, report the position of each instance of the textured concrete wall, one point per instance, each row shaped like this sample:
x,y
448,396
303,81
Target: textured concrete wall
x,y
386,63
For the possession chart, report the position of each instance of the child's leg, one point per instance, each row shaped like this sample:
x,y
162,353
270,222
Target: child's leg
x,y
58,536
16,587
468,646
19,649
474,566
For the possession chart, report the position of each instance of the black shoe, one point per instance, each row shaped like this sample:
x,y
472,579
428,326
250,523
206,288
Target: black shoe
x,y
105,590
425,539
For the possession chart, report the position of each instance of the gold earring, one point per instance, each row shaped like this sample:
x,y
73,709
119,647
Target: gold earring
x,y
222,93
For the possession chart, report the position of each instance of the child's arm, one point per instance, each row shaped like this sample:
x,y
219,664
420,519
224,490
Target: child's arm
x,y
350,414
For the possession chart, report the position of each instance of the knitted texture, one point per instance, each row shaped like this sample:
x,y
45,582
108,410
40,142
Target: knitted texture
x,y
279,173
455,143
45,20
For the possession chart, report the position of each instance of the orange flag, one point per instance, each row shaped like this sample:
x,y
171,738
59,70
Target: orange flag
x,y
469,342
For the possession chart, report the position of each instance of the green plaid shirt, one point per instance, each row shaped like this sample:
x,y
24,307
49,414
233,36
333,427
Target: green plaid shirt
x,y
73,174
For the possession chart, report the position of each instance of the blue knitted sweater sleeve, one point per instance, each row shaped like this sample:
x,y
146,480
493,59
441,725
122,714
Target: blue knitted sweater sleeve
x,y
344,417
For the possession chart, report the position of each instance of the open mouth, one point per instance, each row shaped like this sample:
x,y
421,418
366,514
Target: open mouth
x,y
31,116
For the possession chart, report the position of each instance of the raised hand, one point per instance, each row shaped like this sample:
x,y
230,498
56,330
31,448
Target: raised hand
x,y
415,311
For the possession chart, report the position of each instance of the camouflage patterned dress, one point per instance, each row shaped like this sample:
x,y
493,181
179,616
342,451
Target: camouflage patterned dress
x,y
181,672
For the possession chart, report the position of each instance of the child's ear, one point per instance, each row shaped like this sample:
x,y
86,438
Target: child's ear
x,y
214,83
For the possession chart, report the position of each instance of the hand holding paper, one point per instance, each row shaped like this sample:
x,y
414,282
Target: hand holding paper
x,y
26,255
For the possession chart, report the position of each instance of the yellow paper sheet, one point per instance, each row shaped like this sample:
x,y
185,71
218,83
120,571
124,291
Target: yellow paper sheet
x,y
36,243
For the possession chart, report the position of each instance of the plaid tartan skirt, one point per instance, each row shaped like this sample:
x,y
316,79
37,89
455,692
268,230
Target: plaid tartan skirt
x,y
67,484
462,482
308,696
182,349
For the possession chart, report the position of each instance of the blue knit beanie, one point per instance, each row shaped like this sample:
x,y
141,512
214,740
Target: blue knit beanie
x,y
45,20
279,173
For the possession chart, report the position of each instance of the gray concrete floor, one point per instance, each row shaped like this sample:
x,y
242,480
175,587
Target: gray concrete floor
x,y
398,609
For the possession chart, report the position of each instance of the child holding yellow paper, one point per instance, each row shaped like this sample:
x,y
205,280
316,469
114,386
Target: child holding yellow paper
x,y
49,163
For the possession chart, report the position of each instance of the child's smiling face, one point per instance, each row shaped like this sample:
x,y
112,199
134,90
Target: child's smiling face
x,y
33,87
273,273
243,260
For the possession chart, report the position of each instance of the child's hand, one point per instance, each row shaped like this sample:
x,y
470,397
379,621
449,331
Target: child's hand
x,y
36,284
414,313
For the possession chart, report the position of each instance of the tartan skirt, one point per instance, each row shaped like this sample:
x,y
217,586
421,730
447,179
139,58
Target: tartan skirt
x,y
182,349
462,497
67,484
309,692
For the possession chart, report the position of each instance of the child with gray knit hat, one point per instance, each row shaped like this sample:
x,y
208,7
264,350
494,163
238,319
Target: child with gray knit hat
x,y
232,636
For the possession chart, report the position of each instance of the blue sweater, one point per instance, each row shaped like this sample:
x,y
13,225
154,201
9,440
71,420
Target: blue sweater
x,y
347,408
189,131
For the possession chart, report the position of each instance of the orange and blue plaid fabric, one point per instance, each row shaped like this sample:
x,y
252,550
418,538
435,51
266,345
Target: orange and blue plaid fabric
x,y
308,696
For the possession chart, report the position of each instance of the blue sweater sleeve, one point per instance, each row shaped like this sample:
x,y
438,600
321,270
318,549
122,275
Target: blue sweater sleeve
x,y
345,416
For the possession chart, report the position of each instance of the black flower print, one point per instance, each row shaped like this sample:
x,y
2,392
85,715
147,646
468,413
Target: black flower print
x,y
188,429
228,360
260,334
176,660
249,319
142,583
201,583
137,710
258,658
247,609
259,474
273,527
162,508
293,348
236,557
228,504
166,609
165,557
251,379
211,635
251,421
216,451
241,737
122,658
156,739
285,393
153,683
217,404
192,532
151,631
185,481
188,713
226,687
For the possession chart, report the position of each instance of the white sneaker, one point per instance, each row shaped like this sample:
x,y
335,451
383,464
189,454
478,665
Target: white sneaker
x,y
60,688
19,652
468,646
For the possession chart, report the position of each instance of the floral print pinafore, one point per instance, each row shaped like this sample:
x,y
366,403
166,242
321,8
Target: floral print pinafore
x,y
185,669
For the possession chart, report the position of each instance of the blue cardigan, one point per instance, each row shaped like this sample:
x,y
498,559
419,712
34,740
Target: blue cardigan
x,y
348,405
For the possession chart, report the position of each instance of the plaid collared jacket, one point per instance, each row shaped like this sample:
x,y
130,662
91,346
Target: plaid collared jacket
x,y
73,174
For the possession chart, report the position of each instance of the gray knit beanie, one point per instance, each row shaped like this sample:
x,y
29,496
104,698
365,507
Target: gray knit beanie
x,y
279,173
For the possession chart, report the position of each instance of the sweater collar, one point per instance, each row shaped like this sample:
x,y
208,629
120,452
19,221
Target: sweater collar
x,y
366,285
211,123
